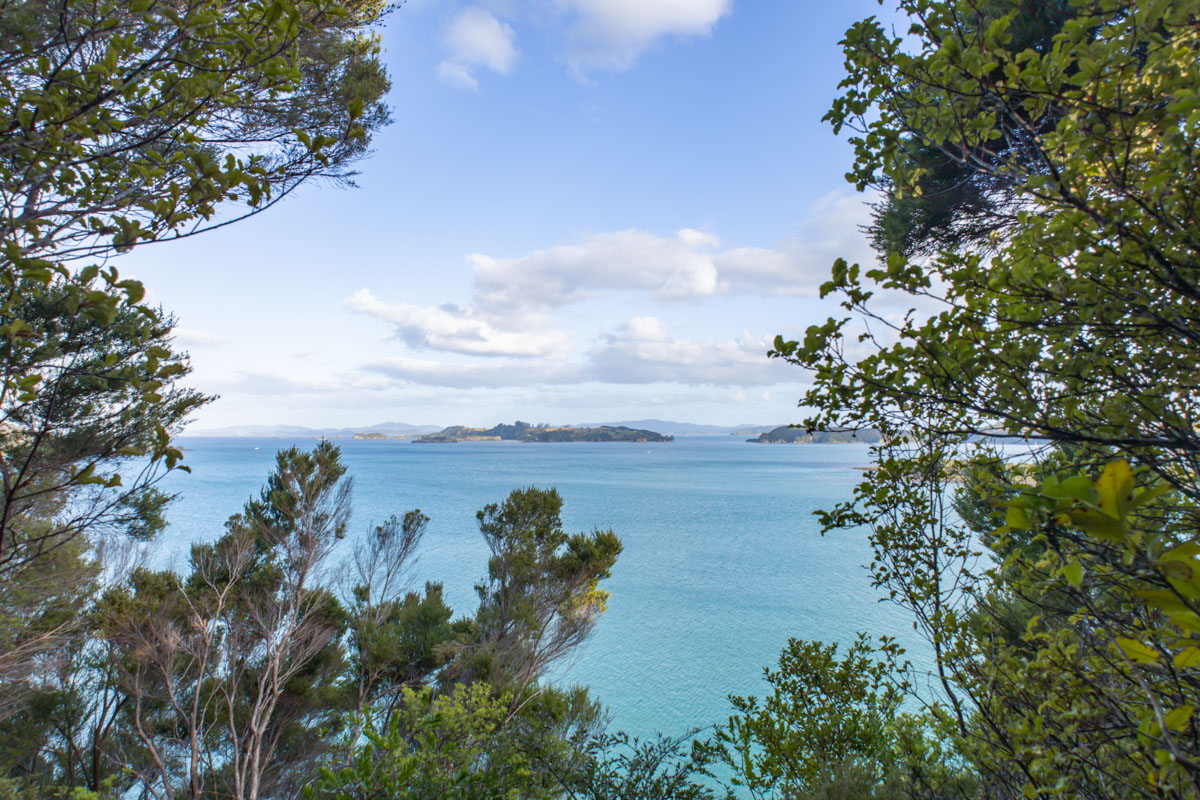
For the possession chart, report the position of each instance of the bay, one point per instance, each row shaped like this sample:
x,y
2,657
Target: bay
x,y
723,559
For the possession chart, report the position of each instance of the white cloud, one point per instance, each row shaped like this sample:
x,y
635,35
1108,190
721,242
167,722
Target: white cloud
x,y
688,265
513,299
669,267
475,39
451,329
611,34
642,351
191,338
457,75
639,352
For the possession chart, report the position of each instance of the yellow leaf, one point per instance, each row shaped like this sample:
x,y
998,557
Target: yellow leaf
x,y
1187,658
1115,488
1136,651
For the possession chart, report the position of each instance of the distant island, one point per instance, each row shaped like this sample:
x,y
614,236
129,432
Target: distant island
x,y
524,432
789,435
667,427
378,436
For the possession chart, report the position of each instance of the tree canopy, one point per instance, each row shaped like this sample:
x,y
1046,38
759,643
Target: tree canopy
x,y
1034,504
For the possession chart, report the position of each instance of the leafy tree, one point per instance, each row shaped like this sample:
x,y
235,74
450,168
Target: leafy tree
x,y
233,669
542,596
126,123
398,638
1057,288
73,493
822,711
620,767
1084,311
948,202
103,393
433,747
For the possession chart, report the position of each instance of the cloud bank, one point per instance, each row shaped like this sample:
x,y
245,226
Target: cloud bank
x,y
515,299
519,328
639,352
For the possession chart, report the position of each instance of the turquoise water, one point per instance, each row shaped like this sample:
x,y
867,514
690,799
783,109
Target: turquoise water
x,y
723,559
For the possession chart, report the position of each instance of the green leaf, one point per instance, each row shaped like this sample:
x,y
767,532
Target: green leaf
x,y
1137,652
1177,720
1099,524
1073,572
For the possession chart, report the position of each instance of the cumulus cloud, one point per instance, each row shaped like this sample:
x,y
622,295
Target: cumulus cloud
x,y
689,264
670,267
451,329
474,39
514,298
611,34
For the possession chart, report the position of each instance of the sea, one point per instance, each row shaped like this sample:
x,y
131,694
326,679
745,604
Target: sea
x,y
723,558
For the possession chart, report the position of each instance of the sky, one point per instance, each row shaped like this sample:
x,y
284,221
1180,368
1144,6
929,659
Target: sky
x,y
584,211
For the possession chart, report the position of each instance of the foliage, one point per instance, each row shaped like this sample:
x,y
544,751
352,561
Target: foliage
x,y
127,123
232,670
822,711
542,595
100,394
433,747
1085,311
1121,651
621,767
271,667
1039,174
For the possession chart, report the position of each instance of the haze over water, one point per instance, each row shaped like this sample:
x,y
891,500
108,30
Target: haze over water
x,y
723,559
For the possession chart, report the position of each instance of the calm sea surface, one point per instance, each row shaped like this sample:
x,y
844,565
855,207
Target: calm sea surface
x,y
723,558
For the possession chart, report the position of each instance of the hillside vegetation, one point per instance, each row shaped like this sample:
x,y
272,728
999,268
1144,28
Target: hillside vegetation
x,y
524,432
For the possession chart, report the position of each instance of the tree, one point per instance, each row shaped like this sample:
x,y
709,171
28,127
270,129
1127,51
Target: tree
x,y
822,712
231,670
542,595
105,393
443,747
621,767
1062,272
1097,279
127,123
72,488
130,122
398,638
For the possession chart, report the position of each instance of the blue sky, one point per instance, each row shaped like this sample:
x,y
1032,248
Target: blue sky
x,y
585,210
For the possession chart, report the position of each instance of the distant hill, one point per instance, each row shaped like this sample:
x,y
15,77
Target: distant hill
x,y
524,432
681,428
387,429
789,435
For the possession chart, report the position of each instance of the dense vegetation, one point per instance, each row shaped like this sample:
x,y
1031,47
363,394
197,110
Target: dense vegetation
x,y
524,432
1037,166
791,434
